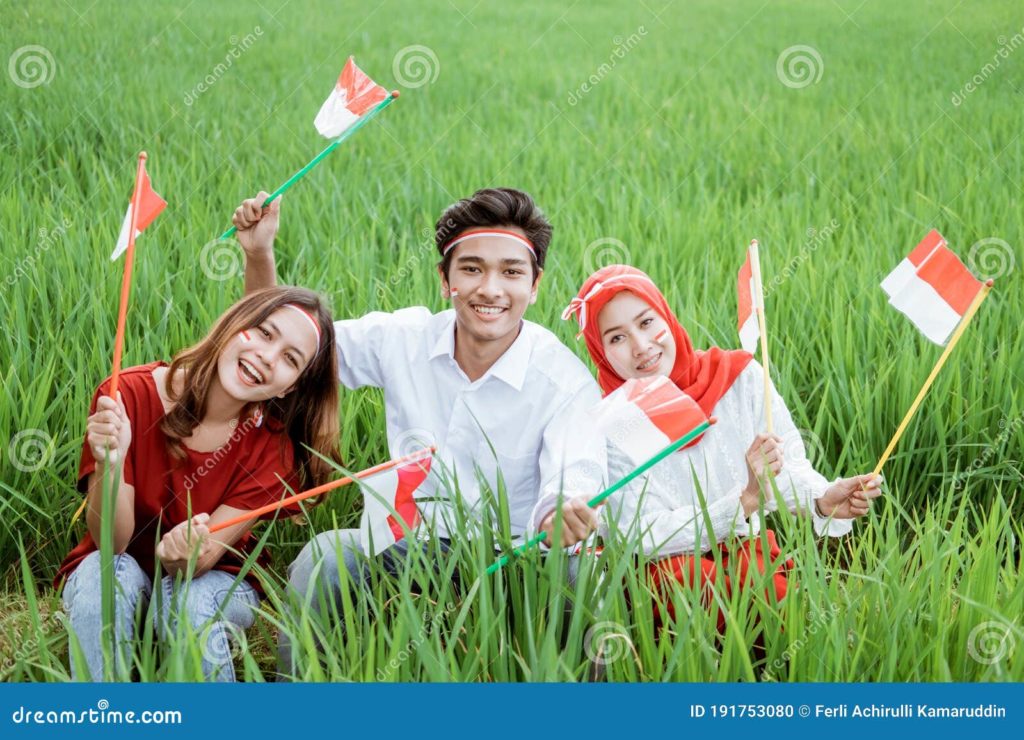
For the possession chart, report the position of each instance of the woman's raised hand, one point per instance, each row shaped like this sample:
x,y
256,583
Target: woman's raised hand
x,y
257,226
109,431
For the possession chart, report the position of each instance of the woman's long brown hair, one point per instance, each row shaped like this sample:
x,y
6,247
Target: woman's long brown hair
x,y
309,413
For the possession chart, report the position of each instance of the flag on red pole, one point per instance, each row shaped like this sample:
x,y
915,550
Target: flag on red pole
x,y
149,207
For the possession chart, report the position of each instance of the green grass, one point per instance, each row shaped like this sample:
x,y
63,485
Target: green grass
x,y
683,151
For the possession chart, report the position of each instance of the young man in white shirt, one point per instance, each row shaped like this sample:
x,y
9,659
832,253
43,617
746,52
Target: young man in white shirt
x,y
475,376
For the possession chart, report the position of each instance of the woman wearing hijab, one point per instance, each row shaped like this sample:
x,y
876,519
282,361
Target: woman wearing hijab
x,y
721,477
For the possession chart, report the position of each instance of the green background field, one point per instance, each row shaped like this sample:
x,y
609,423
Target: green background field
x,y
685,143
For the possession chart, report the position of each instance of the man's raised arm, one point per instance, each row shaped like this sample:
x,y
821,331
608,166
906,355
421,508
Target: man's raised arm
x,y
257,228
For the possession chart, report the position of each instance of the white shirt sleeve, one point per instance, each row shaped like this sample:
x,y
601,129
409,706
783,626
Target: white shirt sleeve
x,y
572,456
799,483
364,343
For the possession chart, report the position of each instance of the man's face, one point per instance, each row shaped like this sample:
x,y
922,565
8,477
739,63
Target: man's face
x,y
490,280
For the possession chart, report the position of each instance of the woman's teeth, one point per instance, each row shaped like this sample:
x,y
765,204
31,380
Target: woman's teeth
x,y
250,372
649,363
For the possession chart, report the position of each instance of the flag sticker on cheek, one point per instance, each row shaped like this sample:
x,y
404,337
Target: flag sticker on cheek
x,y
454,292
246,338
660,335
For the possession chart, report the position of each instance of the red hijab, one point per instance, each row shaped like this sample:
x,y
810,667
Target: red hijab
x,y
704,375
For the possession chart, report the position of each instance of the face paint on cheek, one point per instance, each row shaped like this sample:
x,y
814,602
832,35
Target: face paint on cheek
x,y
660,335
245,337
454,293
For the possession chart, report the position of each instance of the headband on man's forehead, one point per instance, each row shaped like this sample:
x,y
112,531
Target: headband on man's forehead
x,y
476,233
578,305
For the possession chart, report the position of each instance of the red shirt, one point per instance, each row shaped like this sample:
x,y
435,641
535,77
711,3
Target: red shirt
x,y
243,473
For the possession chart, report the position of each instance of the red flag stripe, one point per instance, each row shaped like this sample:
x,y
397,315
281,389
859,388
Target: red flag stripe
x,y
410,477
932,241
944,271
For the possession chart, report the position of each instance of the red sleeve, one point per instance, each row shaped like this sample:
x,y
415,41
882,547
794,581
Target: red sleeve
x,y
88,463
270,461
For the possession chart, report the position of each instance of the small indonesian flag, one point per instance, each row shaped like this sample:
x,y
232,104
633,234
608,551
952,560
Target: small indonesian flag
x,y
353,96
933,288
747,304
646,415
388,503
150,206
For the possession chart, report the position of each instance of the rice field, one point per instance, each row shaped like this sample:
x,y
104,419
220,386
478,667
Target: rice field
x,y
662,134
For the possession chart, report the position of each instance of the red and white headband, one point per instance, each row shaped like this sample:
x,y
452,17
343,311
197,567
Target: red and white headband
x,y
579,305
310,319
475,233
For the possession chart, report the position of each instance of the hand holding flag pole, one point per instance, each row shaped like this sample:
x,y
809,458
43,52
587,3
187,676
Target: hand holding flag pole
x,y
144,206
599,498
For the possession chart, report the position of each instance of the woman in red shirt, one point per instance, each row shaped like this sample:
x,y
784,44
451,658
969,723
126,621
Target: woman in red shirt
x,y
226,428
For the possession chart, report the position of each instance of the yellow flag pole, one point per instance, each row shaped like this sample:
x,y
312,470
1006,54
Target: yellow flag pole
x,y
755,271
973,309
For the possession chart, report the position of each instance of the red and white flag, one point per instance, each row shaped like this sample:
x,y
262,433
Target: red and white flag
x,y
748,301
354,95
645,415
150,206
933,288
388,503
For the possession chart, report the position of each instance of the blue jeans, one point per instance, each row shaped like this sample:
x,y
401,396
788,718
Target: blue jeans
x,y
317,571
205,600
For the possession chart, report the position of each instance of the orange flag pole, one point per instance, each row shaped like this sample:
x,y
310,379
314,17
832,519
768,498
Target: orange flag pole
x,y
256,513
122,311
126,281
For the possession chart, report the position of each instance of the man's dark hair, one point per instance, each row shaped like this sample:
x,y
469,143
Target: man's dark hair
x,y
494,207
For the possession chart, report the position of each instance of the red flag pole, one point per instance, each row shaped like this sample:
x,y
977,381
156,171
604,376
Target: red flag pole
x,y
256,513
126,281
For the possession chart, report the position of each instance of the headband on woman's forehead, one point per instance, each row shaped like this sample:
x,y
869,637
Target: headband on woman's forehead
x,y
578,305
476,233
309,318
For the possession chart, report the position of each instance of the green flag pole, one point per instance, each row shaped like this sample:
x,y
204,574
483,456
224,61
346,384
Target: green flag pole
x,y
594,502
316,160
